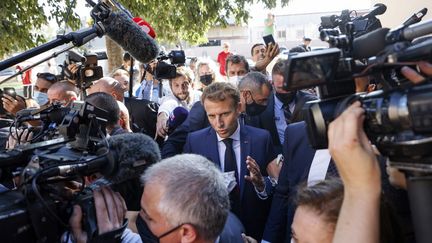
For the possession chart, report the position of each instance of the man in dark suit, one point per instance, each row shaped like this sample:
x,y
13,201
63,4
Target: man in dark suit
x,y
284,107
255,91
237,148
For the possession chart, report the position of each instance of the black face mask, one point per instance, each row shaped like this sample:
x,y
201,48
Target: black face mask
x,y
206,79
254,109
144,231
286,98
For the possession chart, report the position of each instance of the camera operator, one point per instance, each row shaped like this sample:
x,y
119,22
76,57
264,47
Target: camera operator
x,y
184,200
182,95
64,92
359,170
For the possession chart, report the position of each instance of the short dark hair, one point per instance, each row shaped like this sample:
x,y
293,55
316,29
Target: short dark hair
x,y
255,45
108,103
220,91
325,198
280,67
236,59
48,77
127,57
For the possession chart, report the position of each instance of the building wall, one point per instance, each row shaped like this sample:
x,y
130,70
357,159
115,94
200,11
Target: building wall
x,y
400,10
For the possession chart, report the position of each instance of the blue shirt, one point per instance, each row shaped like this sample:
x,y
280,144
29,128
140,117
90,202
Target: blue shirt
x,y
280,117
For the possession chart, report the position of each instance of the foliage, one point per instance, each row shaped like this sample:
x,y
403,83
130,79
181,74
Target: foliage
x,y
21,20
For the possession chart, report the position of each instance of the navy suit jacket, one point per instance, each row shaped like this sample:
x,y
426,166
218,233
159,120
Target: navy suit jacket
x,y
267,118
196,120
254,142
298,156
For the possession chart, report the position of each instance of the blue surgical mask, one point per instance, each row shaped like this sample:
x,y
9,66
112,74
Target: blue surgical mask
x,y
41,98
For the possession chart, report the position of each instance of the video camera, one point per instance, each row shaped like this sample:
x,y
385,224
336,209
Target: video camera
x,y
88,69
165,70
396,116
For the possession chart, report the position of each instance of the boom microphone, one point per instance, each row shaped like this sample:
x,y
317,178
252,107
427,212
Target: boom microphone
x,y
120,28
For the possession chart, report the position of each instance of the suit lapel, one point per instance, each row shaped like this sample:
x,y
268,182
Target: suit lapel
x,y
213,151
245,143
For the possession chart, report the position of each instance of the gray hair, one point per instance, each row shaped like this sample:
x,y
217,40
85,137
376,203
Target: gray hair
x,y
254,81
194,193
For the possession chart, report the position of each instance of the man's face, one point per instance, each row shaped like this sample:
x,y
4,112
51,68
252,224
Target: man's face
x,y
42,85
236,69
310,227
99,86
306,42
258,53
222,116
260,98
204,70
156,222
180,87
225,48
278,83
57,95
123,80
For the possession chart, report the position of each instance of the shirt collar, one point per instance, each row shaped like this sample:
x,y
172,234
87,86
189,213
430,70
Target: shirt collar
x,y
278,103
235,136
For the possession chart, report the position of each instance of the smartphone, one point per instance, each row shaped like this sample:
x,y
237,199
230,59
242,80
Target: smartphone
x,y
10,92
268,39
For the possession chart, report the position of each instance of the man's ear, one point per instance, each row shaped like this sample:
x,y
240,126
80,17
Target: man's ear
x,y
188,233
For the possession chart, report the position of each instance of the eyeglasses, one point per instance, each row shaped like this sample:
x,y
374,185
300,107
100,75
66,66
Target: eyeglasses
x,y
47,76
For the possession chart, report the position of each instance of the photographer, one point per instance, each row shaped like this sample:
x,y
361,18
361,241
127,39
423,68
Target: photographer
x,y
359,170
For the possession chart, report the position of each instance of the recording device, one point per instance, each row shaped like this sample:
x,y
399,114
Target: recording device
x,y
8,91
40,202
88,69
176,118
165,70
268,39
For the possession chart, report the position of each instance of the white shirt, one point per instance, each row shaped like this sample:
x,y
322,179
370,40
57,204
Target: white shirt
x,y
280,117
236,146
170,102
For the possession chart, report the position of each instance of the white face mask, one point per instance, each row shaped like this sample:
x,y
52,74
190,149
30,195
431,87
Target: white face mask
x,y
235,80
41,98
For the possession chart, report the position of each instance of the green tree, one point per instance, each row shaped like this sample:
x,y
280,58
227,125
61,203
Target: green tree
x,y
174,20
20,21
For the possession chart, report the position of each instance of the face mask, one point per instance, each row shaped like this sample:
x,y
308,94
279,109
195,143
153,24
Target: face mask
x,y
206,79
286,98
235,80
254,109
41,98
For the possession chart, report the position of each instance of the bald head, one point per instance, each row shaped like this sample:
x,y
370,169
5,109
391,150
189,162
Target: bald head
x,y
107,85
63,92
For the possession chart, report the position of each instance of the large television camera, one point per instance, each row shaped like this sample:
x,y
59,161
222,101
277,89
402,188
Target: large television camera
x,y
39,207
165,70
397,117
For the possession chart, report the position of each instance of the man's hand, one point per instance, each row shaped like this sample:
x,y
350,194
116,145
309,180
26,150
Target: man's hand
x,y
352,152
273,169
255,176
248,239
271,52
414,76
110,214
25,136
161,127
13,105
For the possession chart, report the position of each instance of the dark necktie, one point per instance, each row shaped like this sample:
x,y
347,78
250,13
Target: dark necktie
x,y
332,170
230,164
287,113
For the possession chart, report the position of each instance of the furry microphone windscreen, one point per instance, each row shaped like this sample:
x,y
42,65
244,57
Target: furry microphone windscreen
x,y
133,153
130,36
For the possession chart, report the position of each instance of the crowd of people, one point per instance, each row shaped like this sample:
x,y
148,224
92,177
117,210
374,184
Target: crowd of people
x,y
239,168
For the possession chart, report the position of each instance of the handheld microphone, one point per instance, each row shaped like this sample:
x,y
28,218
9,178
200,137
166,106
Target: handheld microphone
x,y
377,9
415,18
409,33
177,117
131,37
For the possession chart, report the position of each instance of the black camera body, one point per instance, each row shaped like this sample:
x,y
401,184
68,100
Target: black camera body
x,y
165,70
88,69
